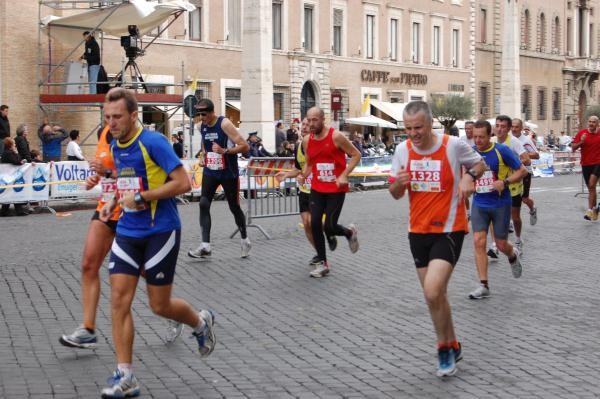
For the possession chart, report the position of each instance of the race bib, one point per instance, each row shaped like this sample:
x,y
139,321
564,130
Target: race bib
x,y
129,185
425,175
325,172
485,184
109,188
307,182
215,161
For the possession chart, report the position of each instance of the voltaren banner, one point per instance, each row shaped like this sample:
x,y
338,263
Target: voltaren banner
x,y
24,179
68,180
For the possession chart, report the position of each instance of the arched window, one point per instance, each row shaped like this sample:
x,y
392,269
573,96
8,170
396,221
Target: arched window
x,y
526,30
542,33
556,36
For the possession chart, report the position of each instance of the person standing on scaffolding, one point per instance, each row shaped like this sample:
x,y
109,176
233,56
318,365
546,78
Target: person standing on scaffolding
x,y
92,57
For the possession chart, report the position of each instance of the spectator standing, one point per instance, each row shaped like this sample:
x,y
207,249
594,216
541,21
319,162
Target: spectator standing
x,y
4,126
287,149
22,143
256,147
51,138
564,141
92,57
358,142
36,156
177,145
551,138
73,149
11,156
292,134
279,136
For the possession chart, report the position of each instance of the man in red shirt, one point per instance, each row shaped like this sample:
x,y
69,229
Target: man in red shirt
x,y
589,142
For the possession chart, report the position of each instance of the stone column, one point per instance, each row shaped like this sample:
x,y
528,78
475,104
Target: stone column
x,y
257,69
510,89
585,32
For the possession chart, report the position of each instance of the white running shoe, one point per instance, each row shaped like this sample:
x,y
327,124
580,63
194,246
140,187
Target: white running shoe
x,y
515,266
173,331
321,270
121,386
202,251
480,292
353,240
246,246
519,245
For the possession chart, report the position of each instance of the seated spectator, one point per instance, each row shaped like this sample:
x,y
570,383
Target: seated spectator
x,y
286,150
357,140
73,149
36,156
22,142
11,156
51,137
256,147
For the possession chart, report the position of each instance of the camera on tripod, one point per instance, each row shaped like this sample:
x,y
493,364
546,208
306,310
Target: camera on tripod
x,y
132,43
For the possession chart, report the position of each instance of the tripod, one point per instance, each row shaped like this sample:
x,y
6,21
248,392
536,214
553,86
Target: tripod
x,y
134,73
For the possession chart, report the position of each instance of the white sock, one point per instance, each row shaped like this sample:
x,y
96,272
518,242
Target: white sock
x,y
200,327
125,368
206,245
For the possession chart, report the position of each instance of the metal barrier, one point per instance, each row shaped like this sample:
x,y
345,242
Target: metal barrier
x,y
265,196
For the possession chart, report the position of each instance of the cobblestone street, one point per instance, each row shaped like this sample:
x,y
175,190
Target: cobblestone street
x,y
362,332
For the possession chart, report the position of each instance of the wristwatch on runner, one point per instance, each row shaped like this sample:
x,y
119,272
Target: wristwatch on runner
x,y
472,174
138,199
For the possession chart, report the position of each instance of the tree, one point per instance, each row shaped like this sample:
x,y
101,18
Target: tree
x,y
591,110
450,108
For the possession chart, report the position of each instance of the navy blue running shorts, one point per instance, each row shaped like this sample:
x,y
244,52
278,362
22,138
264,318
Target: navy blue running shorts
x,y
156,255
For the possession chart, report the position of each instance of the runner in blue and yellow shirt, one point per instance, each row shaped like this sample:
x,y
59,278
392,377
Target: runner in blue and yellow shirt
x,y
492,203
149,176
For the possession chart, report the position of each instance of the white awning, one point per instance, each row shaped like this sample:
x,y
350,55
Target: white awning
x,y
393,110
237,105
371,120
114,20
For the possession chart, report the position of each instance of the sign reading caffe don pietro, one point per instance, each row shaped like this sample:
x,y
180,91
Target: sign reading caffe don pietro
x,y
408,79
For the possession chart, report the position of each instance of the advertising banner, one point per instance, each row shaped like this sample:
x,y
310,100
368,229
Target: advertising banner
x,y
543,167
67,178
25,178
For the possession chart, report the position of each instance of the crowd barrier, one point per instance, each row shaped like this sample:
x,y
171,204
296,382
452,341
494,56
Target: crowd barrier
x,y
43,182
265,195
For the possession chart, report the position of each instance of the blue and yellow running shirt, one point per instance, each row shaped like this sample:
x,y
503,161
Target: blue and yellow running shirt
x,y
144,163
501,161
221,166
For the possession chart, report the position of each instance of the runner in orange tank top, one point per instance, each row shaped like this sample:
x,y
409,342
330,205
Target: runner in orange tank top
x,y
98,241
429,166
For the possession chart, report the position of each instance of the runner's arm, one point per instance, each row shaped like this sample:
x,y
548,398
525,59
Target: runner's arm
x,y
241,145
342,142
178,183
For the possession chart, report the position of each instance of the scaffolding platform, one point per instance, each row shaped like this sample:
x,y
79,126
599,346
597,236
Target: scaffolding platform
x,y
149,99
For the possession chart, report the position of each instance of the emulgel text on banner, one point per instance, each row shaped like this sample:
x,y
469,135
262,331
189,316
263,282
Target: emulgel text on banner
x,y
68,180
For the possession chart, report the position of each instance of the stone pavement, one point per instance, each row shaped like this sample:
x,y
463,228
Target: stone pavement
x,y
362,332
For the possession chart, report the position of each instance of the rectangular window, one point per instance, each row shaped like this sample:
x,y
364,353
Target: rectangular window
x,y
484,105
416,42
234,22
591,41
393,39
455,47
541,103
370,35
277,25
556,104
483,27
308,29
435,51
278,106
569,37
195,24
338,24
526,102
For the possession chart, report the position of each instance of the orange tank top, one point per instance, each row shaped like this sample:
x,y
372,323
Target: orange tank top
x,y
433,193
109,185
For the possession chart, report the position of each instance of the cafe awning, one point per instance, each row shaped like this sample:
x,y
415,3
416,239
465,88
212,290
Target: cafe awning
x,y
393,110
371,120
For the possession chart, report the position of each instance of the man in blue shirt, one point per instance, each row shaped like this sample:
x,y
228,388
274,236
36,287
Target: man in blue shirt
x,y
492,203
149,176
